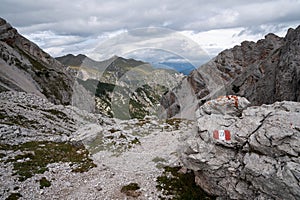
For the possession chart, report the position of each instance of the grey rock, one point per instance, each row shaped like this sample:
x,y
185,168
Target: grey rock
x,y
263,72
27,68
261,158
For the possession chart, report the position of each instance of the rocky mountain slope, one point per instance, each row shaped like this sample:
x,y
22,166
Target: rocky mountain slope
x,y
25,67
46,151
119,87
259,156
263,72
232,150
53,151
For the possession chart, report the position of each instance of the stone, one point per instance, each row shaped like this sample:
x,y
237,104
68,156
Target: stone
x,y
261,159
263,72
27,68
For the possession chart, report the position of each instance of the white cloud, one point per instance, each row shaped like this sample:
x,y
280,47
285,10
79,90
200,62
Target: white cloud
x,y
67,26
151,44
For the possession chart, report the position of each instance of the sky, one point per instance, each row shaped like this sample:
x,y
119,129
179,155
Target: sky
x,y
155,31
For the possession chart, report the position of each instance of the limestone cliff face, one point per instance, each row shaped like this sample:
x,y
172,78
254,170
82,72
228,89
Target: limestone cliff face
x,y
25,67
264,72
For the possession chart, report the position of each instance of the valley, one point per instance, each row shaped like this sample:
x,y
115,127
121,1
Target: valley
x,y
75,128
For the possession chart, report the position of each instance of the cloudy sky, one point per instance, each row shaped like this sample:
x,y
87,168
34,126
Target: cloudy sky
x,y
193,30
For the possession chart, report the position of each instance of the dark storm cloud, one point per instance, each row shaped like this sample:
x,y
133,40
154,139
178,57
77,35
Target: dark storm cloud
x,y
51,22
94,17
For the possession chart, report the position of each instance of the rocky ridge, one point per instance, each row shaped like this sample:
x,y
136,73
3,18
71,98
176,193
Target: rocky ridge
x,y
264,72
25,67
259,160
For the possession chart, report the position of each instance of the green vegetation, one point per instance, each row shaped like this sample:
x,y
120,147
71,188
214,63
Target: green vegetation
x,y
175,122
37,66
96,87
116,143
44,183
114,130
158,159
57,113
179,186
135,141
131,190
2,155
39,154
137,108
18,120
14,196
160,162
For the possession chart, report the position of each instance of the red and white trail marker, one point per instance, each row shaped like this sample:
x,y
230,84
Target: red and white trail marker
x,y
222,135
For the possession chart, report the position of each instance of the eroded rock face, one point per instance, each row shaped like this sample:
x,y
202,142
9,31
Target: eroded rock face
x,y
260,159
27,68
263,72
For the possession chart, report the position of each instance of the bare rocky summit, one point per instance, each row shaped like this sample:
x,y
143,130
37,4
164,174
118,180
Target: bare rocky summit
x,y
264,72
260,160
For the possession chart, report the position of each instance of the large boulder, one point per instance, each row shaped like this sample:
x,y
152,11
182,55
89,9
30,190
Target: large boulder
x,y
246,153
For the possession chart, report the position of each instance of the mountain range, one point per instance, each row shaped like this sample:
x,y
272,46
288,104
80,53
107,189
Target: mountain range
x,y
119,87
75,128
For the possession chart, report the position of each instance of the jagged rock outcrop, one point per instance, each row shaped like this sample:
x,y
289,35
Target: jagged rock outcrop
x,y
246,153
264,72
25,67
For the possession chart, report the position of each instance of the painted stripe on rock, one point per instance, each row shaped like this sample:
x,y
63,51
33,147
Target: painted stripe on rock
x,y
223,135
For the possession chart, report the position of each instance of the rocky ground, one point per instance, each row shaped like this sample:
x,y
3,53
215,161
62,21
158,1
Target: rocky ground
x,y
125,152
232,151
259,156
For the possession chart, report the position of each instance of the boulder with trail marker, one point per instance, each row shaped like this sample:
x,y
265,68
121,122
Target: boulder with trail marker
x,y
246,153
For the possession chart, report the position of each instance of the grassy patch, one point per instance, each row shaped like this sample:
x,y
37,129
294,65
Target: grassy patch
x,y
175,122
131,190
44,183
160,162
2,155
135,141
158,159
137,109
98,88
117,143
58,114
39,154
179,186
142,122
35,64
19,120
14,196
113,130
